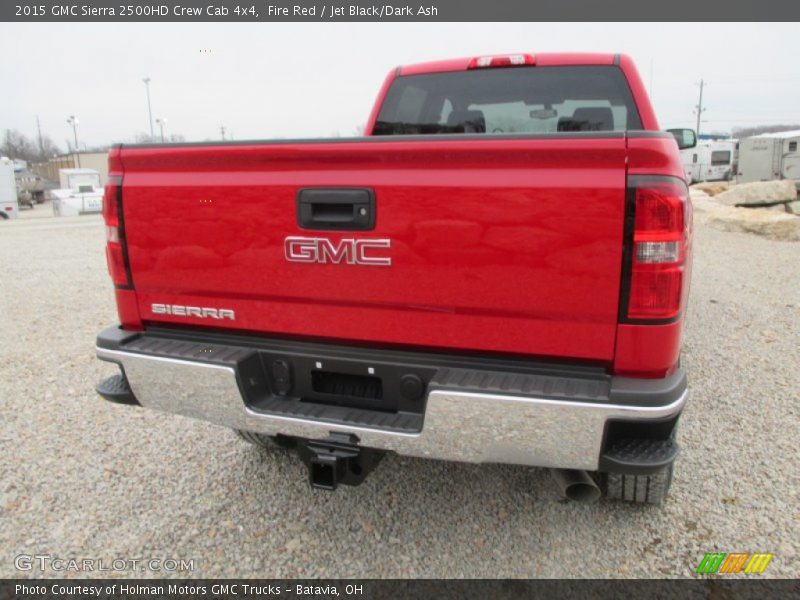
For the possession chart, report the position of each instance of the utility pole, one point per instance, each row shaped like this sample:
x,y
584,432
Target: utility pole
x,y
222,131
161,122
74,122
699,108
149,108
39,129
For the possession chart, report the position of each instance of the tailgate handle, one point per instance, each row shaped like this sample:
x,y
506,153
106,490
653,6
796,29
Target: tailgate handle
x,y
344,209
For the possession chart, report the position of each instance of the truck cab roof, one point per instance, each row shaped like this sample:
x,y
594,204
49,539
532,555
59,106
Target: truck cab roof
x,y
548,59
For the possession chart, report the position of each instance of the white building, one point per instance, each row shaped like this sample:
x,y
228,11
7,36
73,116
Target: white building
x,y
75,179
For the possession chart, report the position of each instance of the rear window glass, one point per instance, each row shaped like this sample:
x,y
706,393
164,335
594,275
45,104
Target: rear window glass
x,y
510,100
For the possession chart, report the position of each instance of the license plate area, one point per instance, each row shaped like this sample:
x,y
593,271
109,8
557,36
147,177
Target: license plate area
x,y
304,381
276,377
347,389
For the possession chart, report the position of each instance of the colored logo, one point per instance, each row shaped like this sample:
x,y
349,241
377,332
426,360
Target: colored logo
x,y
733,562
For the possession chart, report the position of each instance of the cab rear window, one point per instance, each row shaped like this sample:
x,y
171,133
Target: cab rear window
x,y
521,100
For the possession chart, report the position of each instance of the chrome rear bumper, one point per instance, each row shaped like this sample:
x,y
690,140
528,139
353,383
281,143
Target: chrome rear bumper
x,y
469,425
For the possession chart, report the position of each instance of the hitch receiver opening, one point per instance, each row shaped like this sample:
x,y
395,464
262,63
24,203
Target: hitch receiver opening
x,y
337,460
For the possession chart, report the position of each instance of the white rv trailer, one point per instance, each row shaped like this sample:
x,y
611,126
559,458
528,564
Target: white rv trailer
x,y
9,204
710,160
769,156
695,161
722,157
80,193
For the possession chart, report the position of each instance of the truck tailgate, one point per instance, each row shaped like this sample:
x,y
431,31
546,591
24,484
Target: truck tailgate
x,y
497,244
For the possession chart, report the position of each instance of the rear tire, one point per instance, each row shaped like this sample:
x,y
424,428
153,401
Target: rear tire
x,y
642,489
267,442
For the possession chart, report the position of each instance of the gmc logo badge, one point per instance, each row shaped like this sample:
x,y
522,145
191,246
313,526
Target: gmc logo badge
x,y
350,251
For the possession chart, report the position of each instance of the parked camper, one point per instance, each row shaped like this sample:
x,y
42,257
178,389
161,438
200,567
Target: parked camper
x,y
9,205
80,193
722,157
696,161
769,156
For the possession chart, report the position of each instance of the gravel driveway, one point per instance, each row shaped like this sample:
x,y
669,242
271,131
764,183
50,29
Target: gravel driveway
x,y
80,477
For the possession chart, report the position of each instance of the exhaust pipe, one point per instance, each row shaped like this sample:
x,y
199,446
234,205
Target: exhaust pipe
x,y
576,485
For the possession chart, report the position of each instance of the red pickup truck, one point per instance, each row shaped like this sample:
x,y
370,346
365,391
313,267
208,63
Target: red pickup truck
x,y
496,272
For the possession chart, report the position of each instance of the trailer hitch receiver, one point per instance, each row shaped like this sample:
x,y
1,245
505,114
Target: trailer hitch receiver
x,y
337,459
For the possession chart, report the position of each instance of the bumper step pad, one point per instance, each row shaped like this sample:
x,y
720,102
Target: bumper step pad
x,y
639,456
116,389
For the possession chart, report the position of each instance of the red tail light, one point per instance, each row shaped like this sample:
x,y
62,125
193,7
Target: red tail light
x,y
116,254
658,247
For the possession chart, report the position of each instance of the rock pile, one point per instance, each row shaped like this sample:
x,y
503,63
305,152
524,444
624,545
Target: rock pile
x,y
712,188
759,193
767,208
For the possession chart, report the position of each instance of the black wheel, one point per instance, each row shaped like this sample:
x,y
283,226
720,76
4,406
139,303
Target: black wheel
x,y
268,442
644,489
3,215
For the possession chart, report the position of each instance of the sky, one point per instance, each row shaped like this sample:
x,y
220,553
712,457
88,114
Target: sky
x,y
285,80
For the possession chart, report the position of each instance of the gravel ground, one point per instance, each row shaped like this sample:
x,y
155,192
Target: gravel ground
x,y
83,478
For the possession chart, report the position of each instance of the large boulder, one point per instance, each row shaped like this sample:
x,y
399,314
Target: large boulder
x,y
703,204
758,193
768,223
712,188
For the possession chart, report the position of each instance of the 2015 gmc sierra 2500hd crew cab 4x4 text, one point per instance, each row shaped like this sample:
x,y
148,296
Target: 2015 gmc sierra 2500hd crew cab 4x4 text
x,y
497,272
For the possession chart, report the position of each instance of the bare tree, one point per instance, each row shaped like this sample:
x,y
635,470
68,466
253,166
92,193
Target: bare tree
x,y
48,149
146,138
18,145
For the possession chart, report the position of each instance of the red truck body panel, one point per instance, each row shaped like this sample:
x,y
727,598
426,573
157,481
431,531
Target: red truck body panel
x,y
506,244
487,252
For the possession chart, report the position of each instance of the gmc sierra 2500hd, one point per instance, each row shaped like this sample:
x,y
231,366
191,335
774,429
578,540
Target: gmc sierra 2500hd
x,y
497,272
